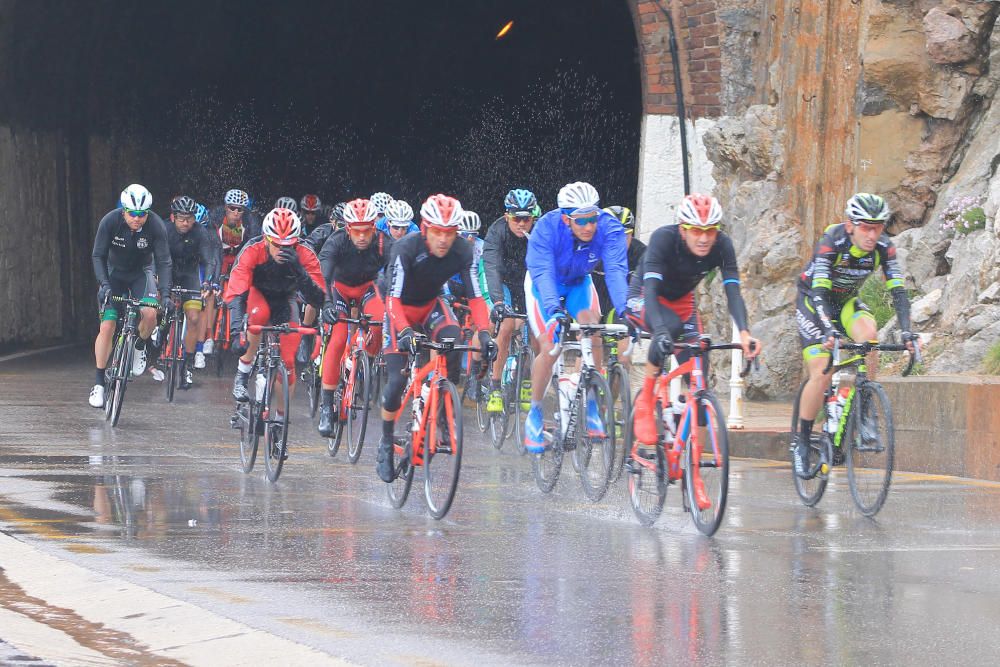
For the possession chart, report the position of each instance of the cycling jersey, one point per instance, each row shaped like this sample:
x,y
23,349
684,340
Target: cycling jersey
x,y
670,272
319,236
188,251
227,240
126,255
504,263
557,259
255,268
414,278
838,269
456,284
636,250
343,262
383,226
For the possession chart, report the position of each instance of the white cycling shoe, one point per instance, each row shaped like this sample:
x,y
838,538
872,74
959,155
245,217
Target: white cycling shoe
x,y
138,362
97,396
208,346
199,359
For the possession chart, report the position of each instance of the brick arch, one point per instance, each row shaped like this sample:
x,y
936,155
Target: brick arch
x,y
698,35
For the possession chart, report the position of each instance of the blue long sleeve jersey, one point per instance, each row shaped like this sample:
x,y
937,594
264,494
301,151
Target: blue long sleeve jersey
x,y
556,257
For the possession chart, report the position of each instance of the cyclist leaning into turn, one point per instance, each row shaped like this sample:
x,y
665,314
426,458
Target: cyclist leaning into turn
x,y
129,239
827,305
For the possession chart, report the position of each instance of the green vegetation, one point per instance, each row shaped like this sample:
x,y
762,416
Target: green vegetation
x,y
991,363
874,295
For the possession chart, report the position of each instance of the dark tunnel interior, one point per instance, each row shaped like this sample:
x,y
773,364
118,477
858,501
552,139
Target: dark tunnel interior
x,y
339,98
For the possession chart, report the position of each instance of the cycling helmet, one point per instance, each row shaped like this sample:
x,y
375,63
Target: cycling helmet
x,y
200,214
286,202
578,197
136,198
310,204
470,222
337,212
518,200
237,198
442,211
399,214
381,200
867,207
360,213
282,226
624,215
699,211
183,205
537,211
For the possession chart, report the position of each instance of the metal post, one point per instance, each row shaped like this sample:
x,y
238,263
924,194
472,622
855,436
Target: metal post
x,y
736,385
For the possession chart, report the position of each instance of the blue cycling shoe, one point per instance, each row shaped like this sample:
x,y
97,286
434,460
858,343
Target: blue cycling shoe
x,y
534,439
595,425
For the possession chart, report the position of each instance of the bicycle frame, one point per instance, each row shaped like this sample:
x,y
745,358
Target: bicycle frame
x,y
360,327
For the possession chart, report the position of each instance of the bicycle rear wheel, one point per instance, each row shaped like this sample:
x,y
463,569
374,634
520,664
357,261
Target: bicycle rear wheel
x,y
522,394
399,488
647,478
248,420
810,490
871,442
621,408
482,416
499,427
275,421
357,406
311,379
547,464
708,458
443,460
220,347
594,454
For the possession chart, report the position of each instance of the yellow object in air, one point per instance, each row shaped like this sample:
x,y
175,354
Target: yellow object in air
x,y
504,30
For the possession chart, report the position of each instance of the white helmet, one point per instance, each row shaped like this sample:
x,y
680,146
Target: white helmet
x,y
442,211
399,214
381,201
237,198
869,207
581,197
136,198
282,226
286,202
470,222
699,210
360,212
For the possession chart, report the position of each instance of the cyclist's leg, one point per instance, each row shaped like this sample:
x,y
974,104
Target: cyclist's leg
x,y
541,370
371,304
336,344
815,357
441,323
144,288
282,311
584,305
859,323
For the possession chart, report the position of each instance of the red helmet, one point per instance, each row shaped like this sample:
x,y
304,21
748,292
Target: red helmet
x,y
442,211
310,204
282,227
360,213
699,211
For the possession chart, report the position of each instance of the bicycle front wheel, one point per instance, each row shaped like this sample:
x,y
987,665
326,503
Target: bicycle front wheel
x,y
443,457
275,421
870,441
594,454
707,465
402,462
170,355
621,411
810,490
248,420
357,406
522,394
548,463
122,373
647,475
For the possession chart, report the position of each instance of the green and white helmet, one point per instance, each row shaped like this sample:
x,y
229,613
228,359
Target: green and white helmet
x,y
865,206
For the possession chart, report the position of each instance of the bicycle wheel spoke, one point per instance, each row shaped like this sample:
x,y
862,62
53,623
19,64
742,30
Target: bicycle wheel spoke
x,y
811,490
548,464
594,453
870,443
357,402
276,395
707,485
442,465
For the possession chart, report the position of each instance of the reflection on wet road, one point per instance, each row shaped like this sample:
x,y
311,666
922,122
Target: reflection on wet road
x,y
510,576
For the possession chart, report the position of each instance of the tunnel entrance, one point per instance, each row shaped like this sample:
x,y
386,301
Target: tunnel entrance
x,y
340,98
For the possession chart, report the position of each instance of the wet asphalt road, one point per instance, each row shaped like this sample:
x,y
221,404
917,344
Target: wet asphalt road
x,y
510,576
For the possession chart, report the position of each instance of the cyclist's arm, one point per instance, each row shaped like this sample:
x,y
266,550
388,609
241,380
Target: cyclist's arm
x,y
395,278
102,246
327,255
492,258
614,255
541,261
311,284
895,283
659,318
819,289
209,258
476,293
731,284
161,254
483,286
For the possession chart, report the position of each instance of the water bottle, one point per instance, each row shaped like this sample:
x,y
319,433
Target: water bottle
x,y
418,403
834,408
349,364
567,388
508,370
260,382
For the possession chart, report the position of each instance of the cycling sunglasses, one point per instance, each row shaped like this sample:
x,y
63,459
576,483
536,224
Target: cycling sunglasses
x,y
236,209
583,222
702,230
137,213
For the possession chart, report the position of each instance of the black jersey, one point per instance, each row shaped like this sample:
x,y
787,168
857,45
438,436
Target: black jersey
x,y
189,250
344,262
120,251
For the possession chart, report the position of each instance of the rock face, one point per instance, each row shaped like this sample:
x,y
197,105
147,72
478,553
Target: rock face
x,y
949,42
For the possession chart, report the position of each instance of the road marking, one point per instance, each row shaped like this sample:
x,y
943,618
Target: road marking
x,y
18,355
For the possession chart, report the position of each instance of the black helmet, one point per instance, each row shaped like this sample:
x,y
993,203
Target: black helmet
x,y
624,215
184,205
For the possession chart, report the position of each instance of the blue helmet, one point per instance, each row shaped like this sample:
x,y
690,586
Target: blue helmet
x,y
520,200
201,214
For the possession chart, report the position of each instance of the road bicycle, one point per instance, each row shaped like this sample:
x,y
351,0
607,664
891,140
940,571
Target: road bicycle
x,y
432,438
119,371
312,372
175,324
621,397
565,403
221,343
354,389
515,387
692,445
855,424
266,413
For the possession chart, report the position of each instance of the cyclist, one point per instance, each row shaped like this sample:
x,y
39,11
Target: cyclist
x,y
231,225
398,220
310,205
287,202
565,245
636,249
661,300
129,241
827,305
455,289
337,215
504,251
191,249
420,266
351,260
268,274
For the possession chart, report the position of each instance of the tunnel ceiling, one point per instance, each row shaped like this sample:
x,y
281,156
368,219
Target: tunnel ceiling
x,y
338,97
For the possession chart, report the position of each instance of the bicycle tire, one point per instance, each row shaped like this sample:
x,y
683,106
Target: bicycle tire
x,y
621,402
499,426
594,455
861,456
810,491
220,345
312,383
170,350
399,489
111,376
711,464
276,422
121,380
522,373
446,459
647,487
248,415
357,406
547,464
